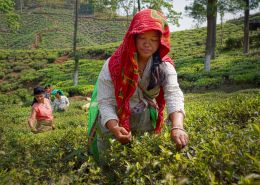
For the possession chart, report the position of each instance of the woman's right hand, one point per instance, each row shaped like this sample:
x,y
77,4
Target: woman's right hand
x,y
33,130
121,134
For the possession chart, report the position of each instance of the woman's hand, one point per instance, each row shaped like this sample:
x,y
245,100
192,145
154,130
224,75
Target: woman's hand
x,y
33,130
180,138
121,134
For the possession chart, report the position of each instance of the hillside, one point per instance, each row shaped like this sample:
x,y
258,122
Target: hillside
x,y
230,70
49,28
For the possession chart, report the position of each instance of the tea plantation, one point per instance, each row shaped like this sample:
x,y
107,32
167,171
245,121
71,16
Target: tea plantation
x,y
224,147
222,118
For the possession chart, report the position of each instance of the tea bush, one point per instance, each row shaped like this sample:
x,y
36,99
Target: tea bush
x,y
232,43
228,69
83,90
223,131
223,149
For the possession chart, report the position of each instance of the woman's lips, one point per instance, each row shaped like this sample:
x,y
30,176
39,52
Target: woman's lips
x,y
146,50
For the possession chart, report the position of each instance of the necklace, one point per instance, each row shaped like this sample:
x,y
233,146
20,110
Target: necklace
x,y
141,70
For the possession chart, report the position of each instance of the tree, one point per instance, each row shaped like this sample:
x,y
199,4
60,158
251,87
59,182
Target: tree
x,y
246,27
203,10
106,6
127,5
12,19
246,6
199,11
19,4
211,33
139,5
165,6
223,7
76,67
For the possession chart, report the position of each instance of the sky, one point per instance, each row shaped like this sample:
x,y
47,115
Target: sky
x,y
188,23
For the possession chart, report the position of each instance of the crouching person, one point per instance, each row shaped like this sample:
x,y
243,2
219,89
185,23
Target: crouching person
x,y
41,112
61,102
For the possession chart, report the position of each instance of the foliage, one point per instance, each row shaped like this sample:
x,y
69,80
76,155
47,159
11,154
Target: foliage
x,y
232,43
26,68
83,90
12,19
106,6
223,127
224,149
165,6
239,5
198,8
227,72
56,29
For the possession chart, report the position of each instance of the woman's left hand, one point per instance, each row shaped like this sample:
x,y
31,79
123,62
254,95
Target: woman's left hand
x,y
180,138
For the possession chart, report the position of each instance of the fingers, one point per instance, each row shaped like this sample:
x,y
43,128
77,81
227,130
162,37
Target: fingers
x,y
178,143
183,139
122,135
123,131
180,138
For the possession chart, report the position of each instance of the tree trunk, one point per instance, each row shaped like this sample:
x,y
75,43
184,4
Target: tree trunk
x,y
246,28
222,31
139,6
211,30
214,28
76,67
127,18
21,6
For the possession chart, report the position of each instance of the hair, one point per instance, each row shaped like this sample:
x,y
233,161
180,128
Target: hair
x,y
47,86
59,92
157,75
37,91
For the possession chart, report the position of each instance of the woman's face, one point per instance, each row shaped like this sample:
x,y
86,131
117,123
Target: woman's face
x,y
147,44
39,98
48,90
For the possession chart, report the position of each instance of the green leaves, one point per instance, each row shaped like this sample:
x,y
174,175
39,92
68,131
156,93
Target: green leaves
x,y
223,130
12,19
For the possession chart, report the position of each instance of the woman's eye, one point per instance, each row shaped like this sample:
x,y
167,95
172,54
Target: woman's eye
x,y
142,38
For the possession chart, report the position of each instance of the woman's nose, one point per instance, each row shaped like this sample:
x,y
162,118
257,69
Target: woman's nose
x,y
147,42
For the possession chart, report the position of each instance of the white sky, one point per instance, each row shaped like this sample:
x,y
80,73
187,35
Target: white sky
x,y
188,23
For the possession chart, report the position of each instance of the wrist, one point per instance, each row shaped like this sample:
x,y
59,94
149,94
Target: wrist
x,y
112,124
178,128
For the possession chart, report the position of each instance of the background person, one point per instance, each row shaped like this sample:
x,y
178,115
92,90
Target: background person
x,y
48,90
61,102
41,112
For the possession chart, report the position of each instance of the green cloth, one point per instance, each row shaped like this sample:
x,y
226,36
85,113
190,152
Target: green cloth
x,y
153,115
54,92
92,124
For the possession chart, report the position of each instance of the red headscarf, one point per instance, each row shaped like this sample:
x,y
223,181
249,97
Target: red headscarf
x,y
123,65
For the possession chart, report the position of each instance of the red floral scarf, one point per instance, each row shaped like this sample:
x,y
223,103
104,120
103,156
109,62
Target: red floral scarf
x,y
123,65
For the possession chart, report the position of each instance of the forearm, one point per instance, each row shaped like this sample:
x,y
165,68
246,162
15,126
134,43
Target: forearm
x,y
176,119
31,122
